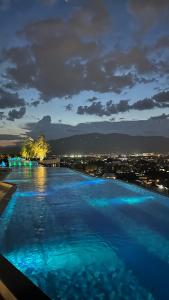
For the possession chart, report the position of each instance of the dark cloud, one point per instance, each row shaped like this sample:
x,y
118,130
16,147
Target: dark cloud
x,y
96,108
24,73
62,46
10,100
16,114
149,12
162,43
69,107
160,100
136,57
92,99
2,116
35,103
122,106
144,104
65,56
38,66
162,97
99,109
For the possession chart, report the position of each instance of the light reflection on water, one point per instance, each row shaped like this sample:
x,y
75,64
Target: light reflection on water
x,y
80,241
40,179
105,202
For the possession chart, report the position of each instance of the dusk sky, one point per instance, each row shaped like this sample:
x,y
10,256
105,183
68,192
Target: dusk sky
x,y
80,61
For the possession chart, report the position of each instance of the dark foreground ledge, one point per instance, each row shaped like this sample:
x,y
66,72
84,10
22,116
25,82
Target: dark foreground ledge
x,y
14,285
4,172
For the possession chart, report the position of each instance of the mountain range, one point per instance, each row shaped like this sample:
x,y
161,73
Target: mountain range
x,y
109,143
104,143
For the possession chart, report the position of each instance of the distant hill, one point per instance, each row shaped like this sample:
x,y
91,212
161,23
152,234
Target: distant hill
x,y
13,150
152,127
109,143
103,143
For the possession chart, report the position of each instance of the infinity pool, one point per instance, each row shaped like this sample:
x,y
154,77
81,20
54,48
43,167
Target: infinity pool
x,y
78,237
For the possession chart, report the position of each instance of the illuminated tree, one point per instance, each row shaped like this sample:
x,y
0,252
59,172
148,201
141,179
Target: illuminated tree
x,y
24,152
40,148
35,148
27,148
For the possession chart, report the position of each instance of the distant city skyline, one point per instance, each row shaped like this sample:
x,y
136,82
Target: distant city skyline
x,y
83,61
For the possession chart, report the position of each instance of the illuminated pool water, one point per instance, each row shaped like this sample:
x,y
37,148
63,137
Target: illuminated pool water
x,y
78,237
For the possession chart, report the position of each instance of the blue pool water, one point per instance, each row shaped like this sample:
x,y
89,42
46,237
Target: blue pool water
x,y
78,237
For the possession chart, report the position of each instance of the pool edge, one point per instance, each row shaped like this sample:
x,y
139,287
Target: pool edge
x,y
15,285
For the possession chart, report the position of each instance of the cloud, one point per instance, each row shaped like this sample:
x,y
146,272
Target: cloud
x,y
160,117
46,127
99,109
135,57
78,61
4,4
64,56
10,100
35,103
144,104
92,99
162,97
72,49
149,12
162,43
57,130
68,97
96,108
160,100
69,107
2,116
16,114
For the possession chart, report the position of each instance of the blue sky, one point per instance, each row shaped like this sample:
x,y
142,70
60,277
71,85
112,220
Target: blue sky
x,y
80,61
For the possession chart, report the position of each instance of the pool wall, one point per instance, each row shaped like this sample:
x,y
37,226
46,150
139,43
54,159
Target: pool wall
x,y
6,191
